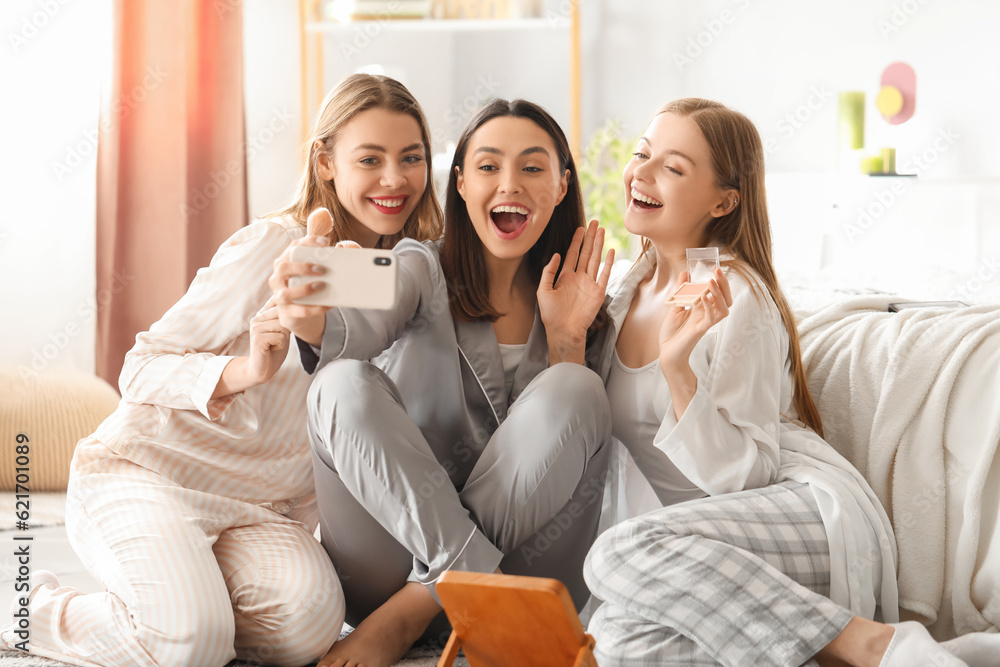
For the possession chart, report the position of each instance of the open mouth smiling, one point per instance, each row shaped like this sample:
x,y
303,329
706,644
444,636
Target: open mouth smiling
x,y
509,220
390,205
644,201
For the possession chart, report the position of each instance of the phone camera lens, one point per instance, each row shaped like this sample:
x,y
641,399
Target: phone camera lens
x,y
383,261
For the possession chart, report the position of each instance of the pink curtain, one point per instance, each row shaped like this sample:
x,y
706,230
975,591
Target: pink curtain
x,y
171,164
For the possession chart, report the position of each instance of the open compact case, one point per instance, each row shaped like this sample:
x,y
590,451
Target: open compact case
x,y
701,266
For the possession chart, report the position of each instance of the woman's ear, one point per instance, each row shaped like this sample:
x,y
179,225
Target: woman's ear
x,y
460,182
727,204
563,187
324,165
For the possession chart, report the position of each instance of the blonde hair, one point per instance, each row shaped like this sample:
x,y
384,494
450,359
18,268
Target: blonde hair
x,y
745,232
353,95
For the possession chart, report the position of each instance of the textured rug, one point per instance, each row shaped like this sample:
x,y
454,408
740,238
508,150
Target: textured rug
x,y
415,658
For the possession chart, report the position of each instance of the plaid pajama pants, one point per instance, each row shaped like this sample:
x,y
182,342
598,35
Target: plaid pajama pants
x,y
738,579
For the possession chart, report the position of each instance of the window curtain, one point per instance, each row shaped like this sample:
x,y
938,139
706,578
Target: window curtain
x,y
171,165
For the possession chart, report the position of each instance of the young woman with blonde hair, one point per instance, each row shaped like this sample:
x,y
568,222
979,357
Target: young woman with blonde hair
x,y
475,437
194,503
770,548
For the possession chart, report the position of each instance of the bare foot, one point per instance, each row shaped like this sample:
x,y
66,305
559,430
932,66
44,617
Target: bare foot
x,y
383,638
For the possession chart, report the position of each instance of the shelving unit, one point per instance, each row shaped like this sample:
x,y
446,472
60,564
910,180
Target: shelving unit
x,y
315,61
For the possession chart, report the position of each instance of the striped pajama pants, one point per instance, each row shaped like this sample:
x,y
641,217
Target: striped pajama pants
x,y
738,579
192,579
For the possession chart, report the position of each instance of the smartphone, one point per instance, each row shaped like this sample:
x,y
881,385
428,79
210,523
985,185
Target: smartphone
x,y
904,305
355,277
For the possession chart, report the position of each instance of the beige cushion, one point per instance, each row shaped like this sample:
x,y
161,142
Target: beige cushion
x,y
53,410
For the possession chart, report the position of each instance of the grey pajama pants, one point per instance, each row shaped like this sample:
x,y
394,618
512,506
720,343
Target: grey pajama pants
x,y
738,579
389,512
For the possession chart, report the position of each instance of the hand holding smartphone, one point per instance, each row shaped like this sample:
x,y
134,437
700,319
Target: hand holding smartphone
x,y
354,278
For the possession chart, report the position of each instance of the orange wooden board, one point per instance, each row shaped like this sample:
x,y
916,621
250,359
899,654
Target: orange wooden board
x,y
503,620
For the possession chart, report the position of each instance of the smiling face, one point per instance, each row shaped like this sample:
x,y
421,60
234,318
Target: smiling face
x,y
671,186
379,172
511,181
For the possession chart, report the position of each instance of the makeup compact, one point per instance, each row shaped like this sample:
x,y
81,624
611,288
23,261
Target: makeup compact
x,y
701,266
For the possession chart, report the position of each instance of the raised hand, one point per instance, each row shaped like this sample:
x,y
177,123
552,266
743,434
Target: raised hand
x,y
569,304
683,328
268,343
306,322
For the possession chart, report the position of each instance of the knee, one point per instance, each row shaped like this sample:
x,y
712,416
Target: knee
x,y
296,626
344,393
342,383
574,394
598,565
626,545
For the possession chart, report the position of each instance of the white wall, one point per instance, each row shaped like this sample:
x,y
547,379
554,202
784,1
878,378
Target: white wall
x,y
770,58
783,64
767,58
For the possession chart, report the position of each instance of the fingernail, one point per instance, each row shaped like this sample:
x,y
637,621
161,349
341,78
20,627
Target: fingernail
x,y
317,268
316,286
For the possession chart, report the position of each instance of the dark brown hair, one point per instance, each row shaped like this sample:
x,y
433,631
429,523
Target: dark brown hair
x,y
462,252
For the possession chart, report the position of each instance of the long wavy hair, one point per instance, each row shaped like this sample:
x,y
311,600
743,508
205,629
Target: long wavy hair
x,y
462,252
353,95
745,232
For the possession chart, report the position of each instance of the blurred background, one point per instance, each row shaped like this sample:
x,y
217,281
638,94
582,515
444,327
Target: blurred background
x,y
139,135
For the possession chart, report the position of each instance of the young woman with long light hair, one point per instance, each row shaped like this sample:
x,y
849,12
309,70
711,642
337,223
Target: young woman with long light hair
x,y
194,503
770,548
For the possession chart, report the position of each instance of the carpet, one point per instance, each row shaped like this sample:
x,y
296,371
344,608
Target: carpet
x,y
415,658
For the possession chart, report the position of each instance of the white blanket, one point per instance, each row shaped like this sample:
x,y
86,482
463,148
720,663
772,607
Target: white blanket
x,y
912,399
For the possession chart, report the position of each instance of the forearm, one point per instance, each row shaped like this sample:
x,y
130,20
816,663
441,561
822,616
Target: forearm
x,y
236,377
682,383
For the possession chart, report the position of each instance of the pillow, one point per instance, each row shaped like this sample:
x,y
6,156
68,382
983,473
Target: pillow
x,y
49,412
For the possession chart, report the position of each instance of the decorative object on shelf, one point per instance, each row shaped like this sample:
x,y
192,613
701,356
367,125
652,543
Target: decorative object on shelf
x,y
526,9
473,9
897,97
888,160
368,10
851,124
600,168
850,130
871,164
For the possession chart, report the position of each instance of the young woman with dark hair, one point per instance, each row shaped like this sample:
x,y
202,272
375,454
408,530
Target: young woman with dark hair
x,y
475,437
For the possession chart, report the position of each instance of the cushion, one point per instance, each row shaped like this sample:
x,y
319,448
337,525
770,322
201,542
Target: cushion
x,y
49,412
